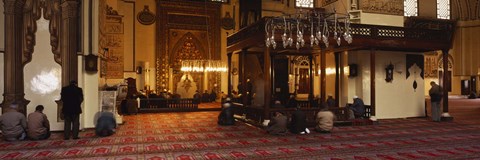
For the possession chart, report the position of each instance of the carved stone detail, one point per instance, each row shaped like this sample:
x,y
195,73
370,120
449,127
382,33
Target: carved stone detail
x,y
52,13
69,9
111,39
13,6
206,18
392,7
69,40
187,48
13,80
32,13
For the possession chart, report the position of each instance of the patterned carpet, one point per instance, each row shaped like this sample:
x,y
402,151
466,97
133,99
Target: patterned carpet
x,y
196,135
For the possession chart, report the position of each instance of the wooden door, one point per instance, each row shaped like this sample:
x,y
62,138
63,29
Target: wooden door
x,y
304,81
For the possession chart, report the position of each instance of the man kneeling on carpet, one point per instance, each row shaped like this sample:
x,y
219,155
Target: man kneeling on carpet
x,y
226,116
278,124
106,124
325,119
13,124
38,124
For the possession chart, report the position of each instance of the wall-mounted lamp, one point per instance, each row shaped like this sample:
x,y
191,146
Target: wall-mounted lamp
x,y
352,70
389,73
91,63
139,70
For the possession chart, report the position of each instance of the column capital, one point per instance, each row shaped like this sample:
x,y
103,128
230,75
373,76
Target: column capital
x,y
69,9
13,6
15,98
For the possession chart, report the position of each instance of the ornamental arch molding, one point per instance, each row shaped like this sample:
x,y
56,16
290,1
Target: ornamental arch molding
x,y
21,26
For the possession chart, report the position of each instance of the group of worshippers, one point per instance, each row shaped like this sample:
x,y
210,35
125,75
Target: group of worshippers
x,y
205,97
15,126
281,125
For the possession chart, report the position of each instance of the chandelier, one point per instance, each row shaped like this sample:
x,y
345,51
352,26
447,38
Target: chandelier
x,y
203,66
319,24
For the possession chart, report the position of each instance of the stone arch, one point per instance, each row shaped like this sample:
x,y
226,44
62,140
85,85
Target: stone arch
x,y
32,13
20,26
440,61
187,48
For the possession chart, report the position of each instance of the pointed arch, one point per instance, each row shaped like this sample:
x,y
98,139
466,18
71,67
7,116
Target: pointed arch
x,y
187,48
32,13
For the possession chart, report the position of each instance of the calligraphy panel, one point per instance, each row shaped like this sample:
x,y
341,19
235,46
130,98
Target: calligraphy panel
x,y
392,7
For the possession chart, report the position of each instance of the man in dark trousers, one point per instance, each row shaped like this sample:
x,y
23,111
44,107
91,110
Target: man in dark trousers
x,y
106,124
357,108
299,122
436,93
72,98
226,116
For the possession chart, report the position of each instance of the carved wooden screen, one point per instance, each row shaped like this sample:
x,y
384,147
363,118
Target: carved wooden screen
x,y
304,81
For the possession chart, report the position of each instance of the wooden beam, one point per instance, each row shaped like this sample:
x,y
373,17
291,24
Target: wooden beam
x,y
337,78
229,83
323,75
372,81
445,80
310,93
267,73
241,74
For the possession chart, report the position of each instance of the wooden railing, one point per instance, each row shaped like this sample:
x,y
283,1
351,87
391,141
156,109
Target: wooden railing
x,y
160,104
256,116
442,35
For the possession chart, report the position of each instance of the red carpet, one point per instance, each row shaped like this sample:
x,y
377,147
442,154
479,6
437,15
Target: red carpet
x,y
196,136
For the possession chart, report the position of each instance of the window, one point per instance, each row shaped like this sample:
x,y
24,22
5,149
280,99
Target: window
x,y
410,8
443,9
304,3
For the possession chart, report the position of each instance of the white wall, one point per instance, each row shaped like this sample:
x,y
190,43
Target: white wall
x,y
89,81
396,99
42,77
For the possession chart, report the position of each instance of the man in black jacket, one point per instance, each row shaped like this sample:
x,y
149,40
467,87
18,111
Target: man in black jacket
x,y
299,122
226,116
72,98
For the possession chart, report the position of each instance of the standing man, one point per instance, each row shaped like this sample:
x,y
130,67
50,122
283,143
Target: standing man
x,y
72,98
13,124
435,97
38,124
330,102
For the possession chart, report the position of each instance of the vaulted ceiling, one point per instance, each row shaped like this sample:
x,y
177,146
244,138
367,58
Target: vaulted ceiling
x,y
466,10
